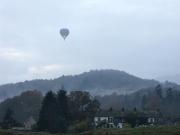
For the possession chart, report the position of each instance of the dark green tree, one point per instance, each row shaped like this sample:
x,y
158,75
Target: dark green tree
x,y
131,118
158,90
48,114
8,120
144,102
169,95
62,110
135,110
122,109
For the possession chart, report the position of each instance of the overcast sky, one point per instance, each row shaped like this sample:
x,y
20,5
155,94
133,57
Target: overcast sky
x,y
141,37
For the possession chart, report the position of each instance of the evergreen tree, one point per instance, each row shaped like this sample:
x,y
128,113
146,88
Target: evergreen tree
x,y
169,95
63,112
158,90
55,114
131,118
135,110
144,103
122,109
8,120
48,114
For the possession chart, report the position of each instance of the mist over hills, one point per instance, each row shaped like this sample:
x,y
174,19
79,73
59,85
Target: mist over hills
x,y
112,88
172,78
97,82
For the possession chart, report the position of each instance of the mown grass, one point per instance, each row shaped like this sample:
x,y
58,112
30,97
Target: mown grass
x,y
130,131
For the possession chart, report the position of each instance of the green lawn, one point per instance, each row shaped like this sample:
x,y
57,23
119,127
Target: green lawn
x,y
135,131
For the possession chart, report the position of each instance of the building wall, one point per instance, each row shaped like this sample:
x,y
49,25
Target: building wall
x,y
109,122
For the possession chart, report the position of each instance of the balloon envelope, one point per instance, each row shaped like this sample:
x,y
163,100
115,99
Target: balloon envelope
x,y
64,32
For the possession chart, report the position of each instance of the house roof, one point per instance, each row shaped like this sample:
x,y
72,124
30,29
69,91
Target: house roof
x,y
151,114
108,114
105,113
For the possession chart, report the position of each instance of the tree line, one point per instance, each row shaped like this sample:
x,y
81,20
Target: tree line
x,y
61,112
164,100
158,98
74,111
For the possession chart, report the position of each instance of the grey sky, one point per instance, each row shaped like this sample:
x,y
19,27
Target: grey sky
x,y
138,36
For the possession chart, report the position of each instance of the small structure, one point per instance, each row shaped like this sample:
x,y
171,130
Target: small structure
x,y
151,120
115,119
29,123
154,118
108,119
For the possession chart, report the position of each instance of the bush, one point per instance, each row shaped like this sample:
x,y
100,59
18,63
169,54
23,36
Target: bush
x,y
79,127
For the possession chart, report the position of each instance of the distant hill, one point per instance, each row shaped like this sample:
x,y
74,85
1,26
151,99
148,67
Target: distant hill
x,y
95,81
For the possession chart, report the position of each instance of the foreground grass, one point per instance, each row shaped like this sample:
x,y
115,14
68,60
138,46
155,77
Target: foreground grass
x,y
135,131
144,131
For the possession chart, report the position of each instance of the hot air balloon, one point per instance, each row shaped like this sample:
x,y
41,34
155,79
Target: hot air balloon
x,y
64,33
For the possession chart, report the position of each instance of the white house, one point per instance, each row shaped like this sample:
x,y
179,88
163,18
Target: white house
x,y
108,120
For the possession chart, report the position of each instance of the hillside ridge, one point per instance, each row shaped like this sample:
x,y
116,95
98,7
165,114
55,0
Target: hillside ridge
x,y
95,80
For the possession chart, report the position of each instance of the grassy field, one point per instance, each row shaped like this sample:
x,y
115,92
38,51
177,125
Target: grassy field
x,y
135,131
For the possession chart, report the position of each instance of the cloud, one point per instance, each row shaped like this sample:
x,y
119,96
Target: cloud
x,y
47,71
12,54
51,71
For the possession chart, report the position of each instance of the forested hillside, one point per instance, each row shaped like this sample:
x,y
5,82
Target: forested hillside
x,y
163,99
97,82
23,106
159,98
